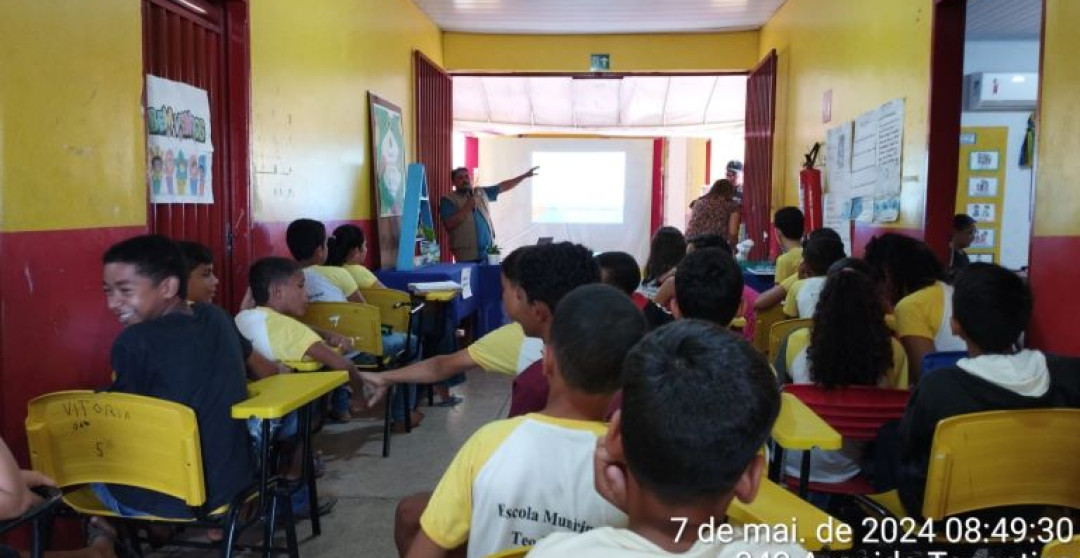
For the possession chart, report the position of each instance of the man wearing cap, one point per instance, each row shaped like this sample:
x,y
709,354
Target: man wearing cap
x,y
734,174
464,212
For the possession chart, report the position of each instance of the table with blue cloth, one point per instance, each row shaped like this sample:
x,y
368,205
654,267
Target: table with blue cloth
x,y
486,299
760,276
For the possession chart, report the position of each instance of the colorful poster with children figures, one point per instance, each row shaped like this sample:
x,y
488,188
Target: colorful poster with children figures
x,y
179,149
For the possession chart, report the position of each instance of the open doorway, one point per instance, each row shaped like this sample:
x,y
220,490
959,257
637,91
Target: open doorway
x,y
984,91
647,145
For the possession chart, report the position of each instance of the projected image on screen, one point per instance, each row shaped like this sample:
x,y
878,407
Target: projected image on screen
x,y
578,187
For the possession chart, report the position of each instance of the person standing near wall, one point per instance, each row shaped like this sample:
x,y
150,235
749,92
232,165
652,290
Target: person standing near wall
x,y
734,174
465,214
716,212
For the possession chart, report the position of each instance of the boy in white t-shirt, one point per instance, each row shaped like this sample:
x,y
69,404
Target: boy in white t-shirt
x,y
698,404
517,480
818,255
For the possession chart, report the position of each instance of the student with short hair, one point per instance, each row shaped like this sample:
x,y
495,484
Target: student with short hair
x,y
708,286
991,309
789,225
923,303
545,275
698,406
778,293
277,286
620,270
202,286
503,488
176,352
818,254
963,234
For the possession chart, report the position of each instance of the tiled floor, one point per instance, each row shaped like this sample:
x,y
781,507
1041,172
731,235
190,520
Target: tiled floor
x,y
368,486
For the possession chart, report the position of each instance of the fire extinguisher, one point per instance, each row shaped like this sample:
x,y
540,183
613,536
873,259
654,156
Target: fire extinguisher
x,y
810,190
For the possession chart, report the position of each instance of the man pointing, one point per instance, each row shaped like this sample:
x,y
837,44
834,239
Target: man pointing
x,y
465,213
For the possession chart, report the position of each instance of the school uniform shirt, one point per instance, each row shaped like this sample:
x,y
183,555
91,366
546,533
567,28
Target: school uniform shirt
x,y
364,278
516,481
193,359
802,297
1026,380
506,350
843,464
276,336
787,264
926,313
325,283
614,542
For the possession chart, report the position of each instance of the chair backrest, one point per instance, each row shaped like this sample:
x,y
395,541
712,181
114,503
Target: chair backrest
x,y
764,320
393,307
856,412
1062,549
1003,458
79,437
780,330
944,359
361,322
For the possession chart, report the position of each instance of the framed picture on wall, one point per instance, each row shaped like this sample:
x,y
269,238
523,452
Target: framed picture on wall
x,y
983,161
982,212
981,258
982,187
984,238
387,155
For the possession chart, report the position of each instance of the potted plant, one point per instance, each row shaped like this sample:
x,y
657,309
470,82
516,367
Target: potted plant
x,y
493,253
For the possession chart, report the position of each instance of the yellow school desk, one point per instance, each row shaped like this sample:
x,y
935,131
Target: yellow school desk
x,y
799,428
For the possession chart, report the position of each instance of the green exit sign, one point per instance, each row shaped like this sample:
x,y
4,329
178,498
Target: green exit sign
x,y
600,62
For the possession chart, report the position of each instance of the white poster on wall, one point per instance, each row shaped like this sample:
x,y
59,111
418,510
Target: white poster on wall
x,y
179,150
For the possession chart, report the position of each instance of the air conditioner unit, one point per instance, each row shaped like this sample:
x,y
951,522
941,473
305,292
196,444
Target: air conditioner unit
x,y
1002,91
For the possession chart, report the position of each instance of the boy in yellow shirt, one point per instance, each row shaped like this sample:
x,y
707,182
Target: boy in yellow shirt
x,y
503,489
789,225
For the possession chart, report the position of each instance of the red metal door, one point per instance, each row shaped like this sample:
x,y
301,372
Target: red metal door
x,y
205,43
434,126
757,176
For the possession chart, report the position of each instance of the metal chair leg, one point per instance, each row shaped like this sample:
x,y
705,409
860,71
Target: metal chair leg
x,y
386,424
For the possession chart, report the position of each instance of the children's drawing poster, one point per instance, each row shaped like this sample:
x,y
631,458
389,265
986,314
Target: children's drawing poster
x,y
981,187
179,151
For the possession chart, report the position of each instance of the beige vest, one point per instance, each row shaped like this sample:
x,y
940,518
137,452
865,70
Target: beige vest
x,y
463,241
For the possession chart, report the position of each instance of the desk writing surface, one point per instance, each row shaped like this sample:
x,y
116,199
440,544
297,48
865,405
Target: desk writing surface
x,y
280,394
800,428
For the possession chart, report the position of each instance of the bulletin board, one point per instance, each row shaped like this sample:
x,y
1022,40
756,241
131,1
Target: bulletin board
x,y
981,189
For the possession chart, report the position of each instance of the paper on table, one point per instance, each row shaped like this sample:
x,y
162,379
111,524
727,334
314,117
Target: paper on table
x,y
434,286
466,282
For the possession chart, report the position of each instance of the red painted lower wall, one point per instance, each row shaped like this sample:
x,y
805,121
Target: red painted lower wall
x,y
55,331
1054,272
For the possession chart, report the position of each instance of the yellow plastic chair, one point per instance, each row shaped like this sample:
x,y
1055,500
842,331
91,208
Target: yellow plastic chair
x,y
798,427
516,552
1062,549
395,307
363,323
779,331
82,437
993,459
763,323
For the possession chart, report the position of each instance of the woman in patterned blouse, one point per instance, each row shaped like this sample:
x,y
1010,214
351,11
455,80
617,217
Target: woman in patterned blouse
x,y
717,212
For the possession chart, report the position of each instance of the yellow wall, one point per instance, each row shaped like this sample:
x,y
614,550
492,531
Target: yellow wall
x,y
71,151
312,64
1057,176
570,53
867,53
695,172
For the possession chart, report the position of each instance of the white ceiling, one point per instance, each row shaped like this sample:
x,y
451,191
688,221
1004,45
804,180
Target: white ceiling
x,y
1003,20
677,105
595,17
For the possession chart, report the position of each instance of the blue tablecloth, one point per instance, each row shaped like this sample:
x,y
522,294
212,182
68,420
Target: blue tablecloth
x,y
486,298
760,282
